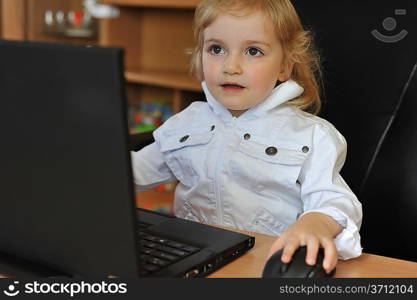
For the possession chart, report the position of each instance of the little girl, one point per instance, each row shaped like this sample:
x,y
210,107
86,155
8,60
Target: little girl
x,y
255,156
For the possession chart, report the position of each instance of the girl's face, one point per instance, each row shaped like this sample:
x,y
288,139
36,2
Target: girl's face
x,y
242,60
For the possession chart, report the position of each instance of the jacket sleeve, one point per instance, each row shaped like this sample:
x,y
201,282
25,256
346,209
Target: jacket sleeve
x,y
150,168
324,190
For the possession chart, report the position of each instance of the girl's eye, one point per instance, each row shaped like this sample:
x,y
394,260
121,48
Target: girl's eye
x,y
215,49
254,52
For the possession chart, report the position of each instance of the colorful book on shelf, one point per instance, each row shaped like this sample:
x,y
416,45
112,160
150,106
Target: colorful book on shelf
x,y
148,116
169,187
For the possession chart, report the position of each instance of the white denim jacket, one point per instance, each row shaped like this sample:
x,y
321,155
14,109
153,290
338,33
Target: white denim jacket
x,y
259,172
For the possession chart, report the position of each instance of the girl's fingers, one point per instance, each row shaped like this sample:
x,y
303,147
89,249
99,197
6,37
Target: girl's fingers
x,y
330,256
312,249
289,250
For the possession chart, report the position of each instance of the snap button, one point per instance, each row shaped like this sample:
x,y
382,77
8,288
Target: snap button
x,y
184,138
305,149
212,127
246,136
271,151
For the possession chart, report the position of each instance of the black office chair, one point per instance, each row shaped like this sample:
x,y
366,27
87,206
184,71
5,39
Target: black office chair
x,y
369,53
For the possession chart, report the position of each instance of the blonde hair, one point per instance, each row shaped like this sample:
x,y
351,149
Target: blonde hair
x,y
297,42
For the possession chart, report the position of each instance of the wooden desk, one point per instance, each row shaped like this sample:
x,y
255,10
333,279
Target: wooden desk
x,y
251,264
367,265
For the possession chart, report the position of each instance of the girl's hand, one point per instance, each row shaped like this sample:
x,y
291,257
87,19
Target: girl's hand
x,y
313,230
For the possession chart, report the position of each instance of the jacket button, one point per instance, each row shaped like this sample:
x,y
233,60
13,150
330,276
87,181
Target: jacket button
x,y
212,128
305,149
271,151
184,138
246,136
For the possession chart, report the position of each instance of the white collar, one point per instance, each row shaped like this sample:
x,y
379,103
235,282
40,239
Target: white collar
x,y
282,93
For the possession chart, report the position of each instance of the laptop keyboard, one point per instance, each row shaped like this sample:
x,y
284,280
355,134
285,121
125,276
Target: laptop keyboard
x,y
157,252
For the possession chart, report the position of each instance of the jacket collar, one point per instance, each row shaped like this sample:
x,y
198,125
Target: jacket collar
x,y
282,93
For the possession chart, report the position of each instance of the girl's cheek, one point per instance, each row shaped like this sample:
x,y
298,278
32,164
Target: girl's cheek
x,y
257,76
261,78
210,69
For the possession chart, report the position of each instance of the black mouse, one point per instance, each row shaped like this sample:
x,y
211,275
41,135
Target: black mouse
x,y
297,267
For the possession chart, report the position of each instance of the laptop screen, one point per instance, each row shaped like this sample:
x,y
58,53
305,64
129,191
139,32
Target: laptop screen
x,y
65,165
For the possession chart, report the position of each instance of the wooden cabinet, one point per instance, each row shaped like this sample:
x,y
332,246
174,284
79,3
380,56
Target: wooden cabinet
x,y
157,37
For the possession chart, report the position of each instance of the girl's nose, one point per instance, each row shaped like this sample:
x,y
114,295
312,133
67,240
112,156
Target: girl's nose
x,y
232,65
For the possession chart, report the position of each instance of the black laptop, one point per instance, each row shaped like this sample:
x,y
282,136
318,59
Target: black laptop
x,y
67,199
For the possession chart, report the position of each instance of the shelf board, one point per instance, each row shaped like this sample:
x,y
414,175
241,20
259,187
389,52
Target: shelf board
x,y
171,79
155,3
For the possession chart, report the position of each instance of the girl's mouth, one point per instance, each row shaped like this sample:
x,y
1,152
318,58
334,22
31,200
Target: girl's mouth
x,y
232,87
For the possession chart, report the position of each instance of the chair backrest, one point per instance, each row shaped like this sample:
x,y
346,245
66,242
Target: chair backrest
x,y
369,55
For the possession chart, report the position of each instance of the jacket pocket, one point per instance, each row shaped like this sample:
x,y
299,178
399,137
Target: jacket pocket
x,y
264,222
185,151
265,168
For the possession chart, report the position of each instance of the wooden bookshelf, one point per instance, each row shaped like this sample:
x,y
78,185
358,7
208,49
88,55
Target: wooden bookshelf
x,y
157,38
171,79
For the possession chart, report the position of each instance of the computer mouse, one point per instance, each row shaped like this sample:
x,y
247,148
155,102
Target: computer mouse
x,y
297,267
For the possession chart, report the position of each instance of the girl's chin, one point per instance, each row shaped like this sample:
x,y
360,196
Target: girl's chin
x,y
231,105
237,113
237,107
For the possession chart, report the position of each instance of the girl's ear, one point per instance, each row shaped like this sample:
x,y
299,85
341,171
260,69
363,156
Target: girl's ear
x,y
286,70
